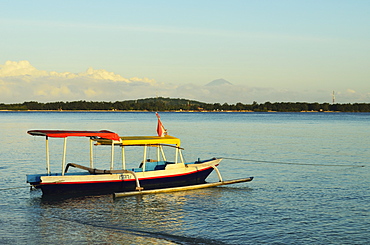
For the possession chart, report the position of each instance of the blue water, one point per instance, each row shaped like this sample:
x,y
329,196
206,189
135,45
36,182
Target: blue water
x,y
286,203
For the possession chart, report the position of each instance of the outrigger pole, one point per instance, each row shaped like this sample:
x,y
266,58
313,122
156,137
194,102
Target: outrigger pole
x,y
140,190
181,188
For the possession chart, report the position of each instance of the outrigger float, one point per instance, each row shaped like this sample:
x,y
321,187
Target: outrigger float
x,y
151,176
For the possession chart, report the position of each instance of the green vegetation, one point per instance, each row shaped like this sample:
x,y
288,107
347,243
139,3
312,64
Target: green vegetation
x,y
170,104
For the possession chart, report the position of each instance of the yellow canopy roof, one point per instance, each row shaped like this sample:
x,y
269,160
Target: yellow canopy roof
x,y
142,140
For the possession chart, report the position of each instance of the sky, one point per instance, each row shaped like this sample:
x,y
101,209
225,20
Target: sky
x,y
120,50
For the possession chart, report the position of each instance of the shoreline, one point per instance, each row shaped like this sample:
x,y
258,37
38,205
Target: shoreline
x,y
177,111
183,105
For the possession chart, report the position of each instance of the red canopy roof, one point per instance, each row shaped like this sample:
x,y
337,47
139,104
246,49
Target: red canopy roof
x,y
65,133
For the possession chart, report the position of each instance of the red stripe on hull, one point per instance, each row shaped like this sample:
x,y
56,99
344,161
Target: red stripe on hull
x,y
113,181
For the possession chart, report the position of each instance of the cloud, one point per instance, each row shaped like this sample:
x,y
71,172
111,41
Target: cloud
x,y
20,81
103,75
24,68
21,68
351,91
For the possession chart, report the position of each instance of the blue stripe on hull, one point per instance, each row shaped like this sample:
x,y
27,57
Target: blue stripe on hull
x,y
124,186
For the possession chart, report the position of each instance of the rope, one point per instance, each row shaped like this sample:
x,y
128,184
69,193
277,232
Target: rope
x,y
308,164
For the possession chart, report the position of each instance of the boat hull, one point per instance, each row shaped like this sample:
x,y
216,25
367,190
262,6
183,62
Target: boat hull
x,y
111,183
110,187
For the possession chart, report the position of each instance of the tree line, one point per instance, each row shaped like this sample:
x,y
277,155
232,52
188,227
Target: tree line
x,y
172,104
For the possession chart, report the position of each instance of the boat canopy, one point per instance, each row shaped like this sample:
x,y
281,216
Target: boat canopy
x,y
65,133
142,140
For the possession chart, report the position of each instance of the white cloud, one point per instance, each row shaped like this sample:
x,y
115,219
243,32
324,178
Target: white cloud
x,y
102,75
20,81
24,68
21,68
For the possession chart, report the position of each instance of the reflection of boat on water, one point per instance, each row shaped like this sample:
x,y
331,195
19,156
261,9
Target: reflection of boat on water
x,y
154,174
142,219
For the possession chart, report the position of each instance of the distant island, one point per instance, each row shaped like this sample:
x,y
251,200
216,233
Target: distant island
x,y
173,104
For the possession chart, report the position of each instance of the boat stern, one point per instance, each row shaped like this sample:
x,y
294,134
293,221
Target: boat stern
x,y
34,179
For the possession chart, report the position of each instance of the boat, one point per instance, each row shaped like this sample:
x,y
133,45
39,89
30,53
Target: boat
x,y
151,174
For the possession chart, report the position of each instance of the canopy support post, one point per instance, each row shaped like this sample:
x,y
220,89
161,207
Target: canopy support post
x,y
181,157
123,158
47,156
91,154
177,155
163,155
64,155
144,158
112,157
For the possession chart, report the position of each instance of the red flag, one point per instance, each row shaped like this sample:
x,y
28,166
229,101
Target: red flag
x,y
160,129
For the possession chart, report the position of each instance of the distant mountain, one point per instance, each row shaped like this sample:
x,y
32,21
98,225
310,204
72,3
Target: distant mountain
x,y
218,82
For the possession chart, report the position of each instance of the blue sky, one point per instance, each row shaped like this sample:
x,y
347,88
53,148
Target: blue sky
x,y
269,50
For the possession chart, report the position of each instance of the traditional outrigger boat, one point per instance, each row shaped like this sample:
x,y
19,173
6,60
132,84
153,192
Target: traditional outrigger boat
x,y
151,176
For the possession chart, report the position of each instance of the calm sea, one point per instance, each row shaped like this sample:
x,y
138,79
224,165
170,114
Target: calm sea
x,y
296,197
